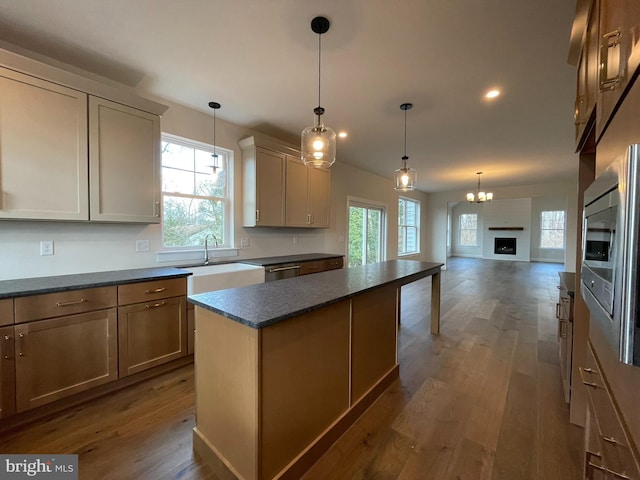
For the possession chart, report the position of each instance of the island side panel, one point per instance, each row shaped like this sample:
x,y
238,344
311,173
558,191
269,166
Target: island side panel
x,y
373,337
304,382
226,375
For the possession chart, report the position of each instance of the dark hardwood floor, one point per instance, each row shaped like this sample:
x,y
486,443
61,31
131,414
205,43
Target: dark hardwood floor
x,y
481,400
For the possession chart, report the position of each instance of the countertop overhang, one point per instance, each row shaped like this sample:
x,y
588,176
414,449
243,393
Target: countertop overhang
x,y
258,306
60,283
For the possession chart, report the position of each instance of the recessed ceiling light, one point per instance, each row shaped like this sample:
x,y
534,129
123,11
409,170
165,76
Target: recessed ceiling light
x,y
492,93
342,134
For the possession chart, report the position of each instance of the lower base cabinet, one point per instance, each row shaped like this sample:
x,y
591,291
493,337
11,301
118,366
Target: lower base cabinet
x,y
58,357
151,334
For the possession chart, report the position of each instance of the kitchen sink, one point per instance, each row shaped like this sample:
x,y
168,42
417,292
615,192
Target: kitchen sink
x,y
207,278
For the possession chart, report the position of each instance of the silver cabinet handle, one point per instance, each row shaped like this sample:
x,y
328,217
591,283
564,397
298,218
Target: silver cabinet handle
x,y
282,269
610,40
7,341
589,370
20,338
155,305
72,302
156,290
558,311
156,209
257,216
610,440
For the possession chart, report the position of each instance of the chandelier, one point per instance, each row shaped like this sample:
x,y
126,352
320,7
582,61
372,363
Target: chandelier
x,y
480,196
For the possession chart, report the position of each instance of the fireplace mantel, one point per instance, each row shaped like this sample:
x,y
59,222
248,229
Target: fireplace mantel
x,y
506,228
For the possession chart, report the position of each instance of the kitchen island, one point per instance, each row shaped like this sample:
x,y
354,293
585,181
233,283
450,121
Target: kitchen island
x,y
284,368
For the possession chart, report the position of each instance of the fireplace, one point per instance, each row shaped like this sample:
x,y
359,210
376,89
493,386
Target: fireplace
x,y
504,246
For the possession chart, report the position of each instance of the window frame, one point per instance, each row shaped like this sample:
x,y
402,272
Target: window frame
x,y
564,230
368,205
460,230
402,251
227,162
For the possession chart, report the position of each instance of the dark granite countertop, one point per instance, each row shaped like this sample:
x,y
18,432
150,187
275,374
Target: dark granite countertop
x,y
32,286
568,280
304,257
264,304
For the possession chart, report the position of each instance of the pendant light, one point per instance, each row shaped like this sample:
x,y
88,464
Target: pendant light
x,y
406,178
481,197
318,141
215,164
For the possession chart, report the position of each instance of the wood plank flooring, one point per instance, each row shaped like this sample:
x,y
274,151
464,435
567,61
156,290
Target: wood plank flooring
x,y
483,400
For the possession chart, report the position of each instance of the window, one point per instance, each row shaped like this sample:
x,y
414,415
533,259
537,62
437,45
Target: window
x,y
408,226
194,197
366,233
469,230
552,229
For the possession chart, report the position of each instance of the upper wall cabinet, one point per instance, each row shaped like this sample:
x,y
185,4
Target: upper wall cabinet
x,y
43,150
619,55
307,195
279,190
124,161
587,79
75,149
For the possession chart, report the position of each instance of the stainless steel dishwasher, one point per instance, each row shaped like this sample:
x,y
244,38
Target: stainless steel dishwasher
x,y
281,271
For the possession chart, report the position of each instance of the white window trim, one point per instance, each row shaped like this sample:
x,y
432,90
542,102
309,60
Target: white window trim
x,y
460,245
190,253
418,209
363,202
564,236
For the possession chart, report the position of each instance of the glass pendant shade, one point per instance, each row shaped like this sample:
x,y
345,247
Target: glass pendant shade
x,y
318,143
319,146
406,179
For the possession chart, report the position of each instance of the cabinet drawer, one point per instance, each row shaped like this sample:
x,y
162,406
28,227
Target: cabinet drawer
x,y
57,304
334,263
614,445
6,311
311,267
316,266
150,291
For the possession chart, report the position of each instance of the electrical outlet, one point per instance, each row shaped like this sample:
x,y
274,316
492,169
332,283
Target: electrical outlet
x,y
46,247
142,245
244,241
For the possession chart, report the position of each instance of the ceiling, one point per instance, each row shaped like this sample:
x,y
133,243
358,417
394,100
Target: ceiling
x,y
259,59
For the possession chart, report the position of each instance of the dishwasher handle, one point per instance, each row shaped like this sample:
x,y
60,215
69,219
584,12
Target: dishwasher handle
x,y
282,269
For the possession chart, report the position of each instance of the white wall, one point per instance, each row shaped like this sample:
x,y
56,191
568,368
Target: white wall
x,y
88,247
562,193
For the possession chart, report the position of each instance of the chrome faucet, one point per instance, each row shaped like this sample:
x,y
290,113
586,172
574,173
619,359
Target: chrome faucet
x,y
206,246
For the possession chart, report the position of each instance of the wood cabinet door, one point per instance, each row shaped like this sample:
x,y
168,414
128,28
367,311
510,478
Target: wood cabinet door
x,y
151,334
297,210
43,160
270,193
7,372
59,357
124,163
614,49
319,197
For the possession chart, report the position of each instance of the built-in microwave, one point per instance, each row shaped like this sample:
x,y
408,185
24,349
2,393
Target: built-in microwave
x,y
610,265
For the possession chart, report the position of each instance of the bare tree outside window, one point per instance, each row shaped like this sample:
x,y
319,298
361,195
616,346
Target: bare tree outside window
x,y
469,230
194,194
552,228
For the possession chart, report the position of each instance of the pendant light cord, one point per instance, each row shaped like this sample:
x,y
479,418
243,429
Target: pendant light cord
x,y
319,69
215,157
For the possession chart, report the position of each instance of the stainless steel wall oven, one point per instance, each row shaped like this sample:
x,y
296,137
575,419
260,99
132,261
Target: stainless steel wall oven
x,y
610,255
